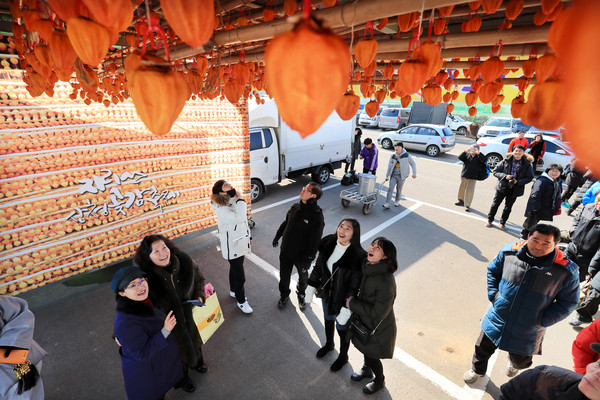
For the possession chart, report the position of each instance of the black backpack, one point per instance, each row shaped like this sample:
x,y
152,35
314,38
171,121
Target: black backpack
x,y
349,178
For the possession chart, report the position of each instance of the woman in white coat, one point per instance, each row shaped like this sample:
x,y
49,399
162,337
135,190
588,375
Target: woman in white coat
x,y
235,237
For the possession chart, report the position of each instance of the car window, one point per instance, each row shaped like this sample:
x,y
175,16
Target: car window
x,y
255,139
507,141
268,137
551,148
427,132
447,132
411,130
390,113
405,114
505,123
521,126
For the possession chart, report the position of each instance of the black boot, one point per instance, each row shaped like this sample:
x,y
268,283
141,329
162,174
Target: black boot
x,y
343,357
374,386
185,383
365,372
329,328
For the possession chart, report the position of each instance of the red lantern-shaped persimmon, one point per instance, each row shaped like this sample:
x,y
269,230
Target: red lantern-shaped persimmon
x,y
192,20
491,69
432,94
307,71
158,94
545,105
513,9
348,106
89,39
371,108
365,51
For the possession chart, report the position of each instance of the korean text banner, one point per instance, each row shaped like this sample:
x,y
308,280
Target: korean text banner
x,y
81,185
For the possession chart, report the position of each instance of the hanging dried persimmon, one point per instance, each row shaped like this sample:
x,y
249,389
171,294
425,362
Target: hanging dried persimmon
x,y
432,94
63,55
364,51
491,69
348,106
513,9
89,39
545,104
192,20
371,108
307,71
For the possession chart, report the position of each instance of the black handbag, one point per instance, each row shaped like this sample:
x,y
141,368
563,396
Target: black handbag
x,y
360,331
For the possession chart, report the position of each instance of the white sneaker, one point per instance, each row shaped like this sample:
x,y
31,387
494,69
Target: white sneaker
x,y
396,204
402,198
510,370
471,376
232,294
386,205
245,307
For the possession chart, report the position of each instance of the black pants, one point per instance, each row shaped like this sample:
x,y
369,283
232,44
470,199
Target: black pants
x,y
285,273
589,307
568,193
484,348
509,200
237,278
581,261
366,171
350,165
377,368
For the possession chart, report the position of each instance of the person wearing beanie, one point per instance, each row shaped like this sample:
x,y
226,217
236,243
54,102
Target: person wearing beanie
x,y
149,354
232,219
174,278
370,155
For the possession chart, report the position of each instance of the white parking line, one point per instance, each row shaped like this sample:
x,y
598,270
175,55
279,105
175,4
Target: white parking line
x,y
472,393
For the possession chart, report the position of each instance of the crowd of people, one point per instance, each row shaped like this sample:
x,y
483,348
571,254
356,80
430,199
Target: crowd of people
x,y
531,285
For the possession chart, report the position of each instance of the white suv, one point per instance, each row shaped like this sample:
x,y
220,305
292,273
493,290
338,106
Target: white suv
x,y
456,123
370,122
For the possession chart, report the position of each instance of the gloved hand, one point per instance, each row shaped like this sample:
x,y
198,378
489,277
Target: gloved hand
x,y
275,242
208,290
343,316
309,293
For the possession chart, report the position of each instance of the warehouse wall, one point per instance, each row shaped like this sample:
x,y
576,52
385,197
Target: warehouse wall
x,y
81,185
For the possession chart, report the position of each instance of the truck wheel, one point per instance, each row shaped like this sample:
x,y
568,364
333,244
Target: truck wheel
x,y
345,203
322,176
256,190
433,150
462,130
367,208
387,143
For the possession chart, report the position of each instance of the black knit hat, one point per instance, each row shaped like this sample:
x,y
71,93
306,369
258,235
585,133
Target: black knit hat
x,y
124,276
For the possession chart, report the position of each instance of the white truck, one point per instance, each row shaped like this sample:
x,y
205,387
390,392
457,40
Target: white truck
x,y
277,151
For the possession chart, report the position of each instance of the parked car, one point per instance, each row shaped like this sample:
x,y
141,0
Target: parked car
x,y
497,126
394,118
495,149
433,139
557,133
360,110
456,123
370,122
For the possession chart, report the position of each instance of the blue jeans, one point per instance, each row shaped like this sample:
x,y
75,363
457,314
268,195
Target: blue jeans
x,y
332,317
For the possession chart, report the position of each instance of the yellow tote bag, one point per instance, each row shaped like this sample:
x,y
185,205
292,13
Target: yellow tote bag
x,y
208,318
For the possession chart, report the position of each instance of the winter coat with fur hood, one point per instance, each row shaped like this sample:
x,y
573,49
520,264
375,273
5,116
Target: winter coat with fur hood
x,y
524,174
347,273
181,280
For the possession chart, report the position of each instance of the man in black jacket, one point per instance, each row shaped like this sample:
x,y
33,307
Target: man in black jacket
x,y
300,232
513,174
585,236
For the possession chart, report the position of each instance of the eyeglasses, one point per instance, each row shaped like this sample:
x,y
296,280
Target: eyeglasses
x,y
134,285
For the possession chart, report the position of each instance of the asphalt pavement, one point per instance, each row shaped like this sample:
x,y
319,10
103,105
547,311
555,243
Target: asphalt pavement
x,y
443,255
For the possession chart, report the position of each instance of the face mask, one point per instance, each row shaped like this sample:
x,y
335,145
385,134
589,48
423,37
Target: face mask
x,y
231,193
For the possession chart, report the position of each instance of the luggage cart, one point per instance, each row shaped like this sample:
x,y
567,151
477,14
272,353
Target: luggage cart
x,y
354,195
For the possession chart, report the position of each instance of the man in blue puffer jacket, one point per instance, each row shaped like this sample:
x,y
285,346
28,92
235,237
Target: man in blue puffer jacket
x,y
531,285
